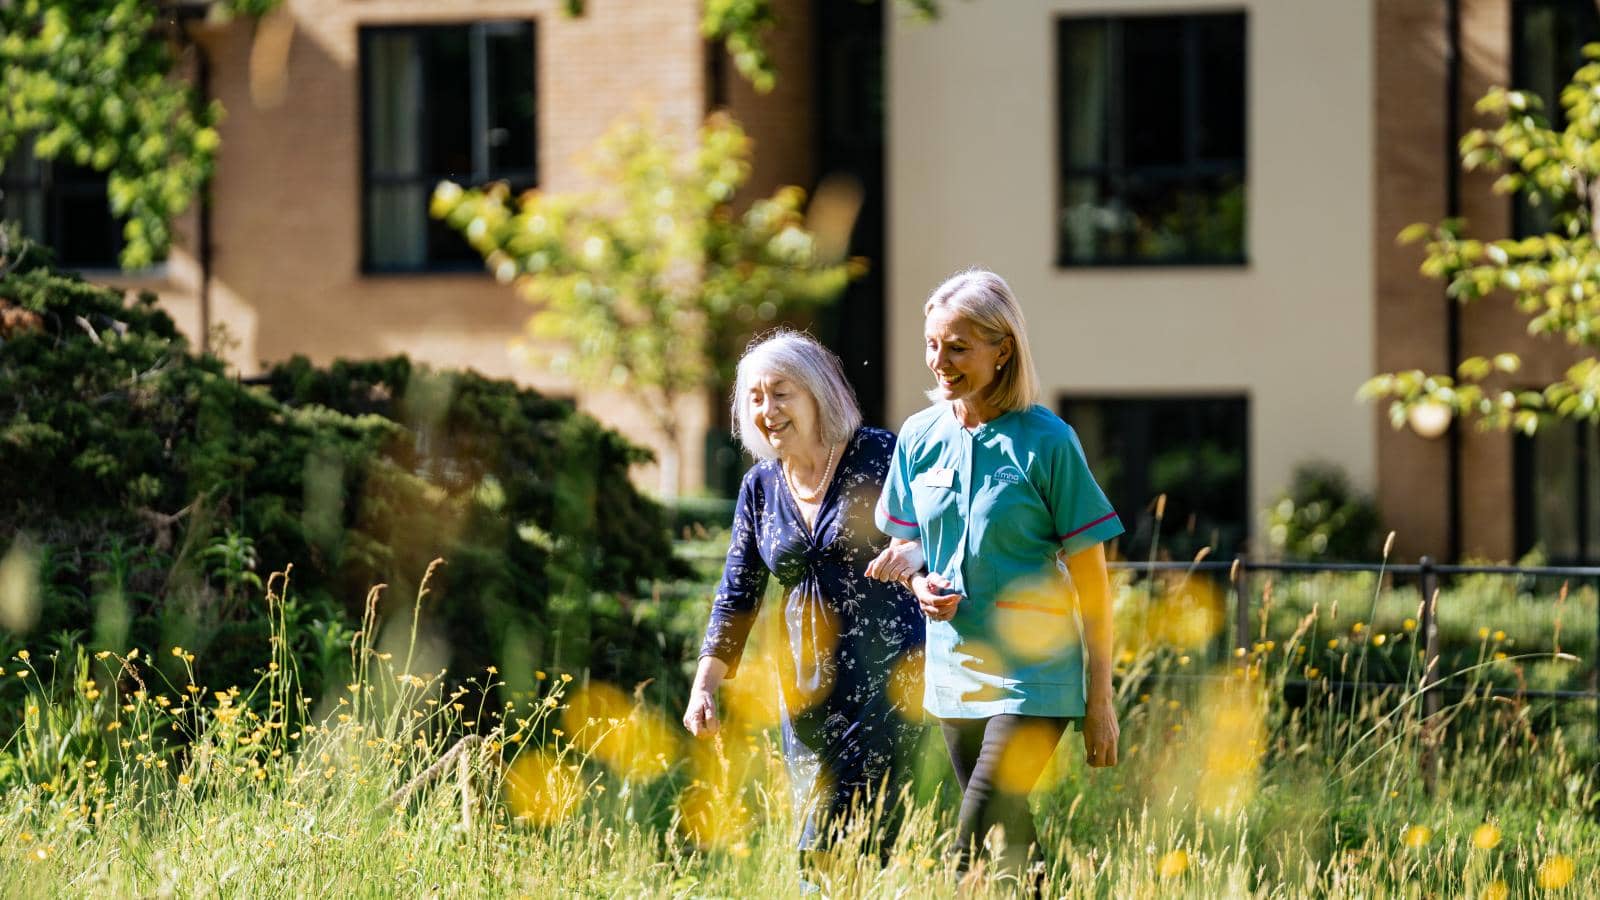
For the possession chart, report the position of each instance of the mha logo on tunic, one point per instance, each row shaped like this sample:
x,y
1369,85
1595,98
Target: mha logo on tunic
x,y
1008,474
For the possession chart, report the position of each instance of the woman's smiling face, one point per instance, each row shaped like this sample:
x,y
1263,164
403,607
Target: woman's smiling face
x,y
784,412
963,364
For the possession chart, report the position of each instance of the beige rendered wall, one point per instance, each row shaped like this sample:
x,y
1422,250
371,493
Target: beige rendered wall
x,y
972,182
288,193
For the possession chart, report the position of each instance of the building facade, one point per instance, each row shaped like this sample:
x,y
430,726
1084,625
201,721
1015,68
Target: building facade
x,y
1197,204
319,240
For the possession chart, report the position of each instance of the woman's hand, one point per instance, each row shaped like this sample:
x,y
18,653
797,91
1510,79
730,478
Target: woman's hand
x,y
700,713
898,561
700,716
935,598
1100,732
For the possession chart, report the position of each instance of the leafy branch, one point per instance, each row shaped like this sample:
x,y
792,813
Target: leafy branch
x,y
1553,278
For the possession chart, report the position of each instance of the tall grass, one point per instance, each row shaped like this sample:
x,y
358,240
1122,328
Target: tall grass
x,y
123,782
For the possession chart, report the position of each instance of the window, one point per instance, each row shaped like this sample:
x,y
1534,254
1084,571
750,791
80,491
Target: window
x,y
1547,48
1151,140
62,206
1193,449
1557,480
445,102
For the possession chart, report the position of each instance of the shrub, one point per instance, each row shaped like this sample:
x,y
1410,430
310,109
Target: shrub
x,y
152,492
1322,518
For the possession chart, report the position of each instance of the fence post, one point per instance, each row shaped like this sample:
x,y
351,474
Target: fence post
x,y
1429,627
1241,607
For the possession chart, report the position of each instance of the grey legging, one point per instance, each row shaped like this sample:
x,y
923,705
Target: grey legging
x,y
997,770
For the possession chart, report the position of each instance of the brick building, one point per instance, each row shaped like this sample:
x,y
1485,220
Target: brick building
x,y
1196,202
319,241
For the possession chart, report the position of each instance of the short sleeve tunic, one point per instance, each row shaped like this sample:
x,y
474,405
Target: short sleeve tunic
x,y
993,506
847,636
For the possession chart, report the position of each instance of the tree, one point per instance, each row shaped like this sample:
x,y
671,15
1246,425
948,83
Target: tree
x,y
742,26
651,281
1554,278
92,81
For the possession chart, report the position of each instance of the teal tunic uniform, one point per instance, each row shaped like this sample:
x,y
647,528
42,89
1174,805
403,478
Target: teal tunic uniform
x,y
992,506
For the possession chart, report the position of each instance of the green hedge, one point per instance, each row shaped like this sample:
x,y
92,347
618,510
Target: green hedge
x,y
147,493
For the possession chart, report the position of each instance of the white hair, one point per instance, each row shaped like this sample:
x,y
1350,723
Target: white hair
x,y
984,300
801,360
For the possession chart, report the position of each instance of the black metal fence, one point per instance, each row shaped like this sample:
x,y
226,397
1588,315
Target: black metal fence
x,y
1547,598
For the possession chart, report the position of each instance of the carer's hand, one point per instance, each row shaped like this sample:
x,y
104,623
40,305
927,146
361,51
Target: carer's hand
x,y
700,716
1100,733
932,597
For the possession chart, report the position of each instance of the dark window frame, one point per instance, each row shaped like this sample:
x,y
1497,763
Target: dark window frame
x,y
54,190
1522,215
1193,168
1133,510
1525,474
520,180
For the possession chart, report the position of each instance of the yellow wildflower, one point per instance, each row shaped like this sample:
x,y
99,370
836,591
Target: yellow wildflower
x,y
1556,872
1173,864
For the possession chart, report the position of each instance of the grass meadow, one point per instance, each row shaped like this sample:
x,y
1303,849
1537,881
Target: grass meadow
x,y
1245,773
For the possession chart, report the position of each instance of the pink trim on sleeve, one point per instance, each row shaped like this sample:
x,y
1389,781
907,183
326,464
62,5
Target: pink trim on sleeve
x,y
901,522
1107,517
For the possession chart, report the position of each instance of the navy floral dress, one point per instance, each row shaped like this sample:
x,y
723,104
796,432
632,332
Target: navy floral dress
x,y
846,729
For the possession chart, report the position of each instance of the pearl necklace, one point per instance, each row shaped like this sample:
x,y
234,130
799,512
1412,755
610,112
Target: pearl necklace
x,y
812,496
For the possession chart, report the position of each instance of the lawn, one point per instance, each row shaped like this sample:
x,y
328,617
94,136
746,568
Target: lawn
x,y
1242,775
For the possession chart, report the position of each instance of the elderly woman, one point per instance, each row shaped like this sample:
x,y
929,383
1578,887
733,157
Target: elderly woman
x,y
996,489
805,515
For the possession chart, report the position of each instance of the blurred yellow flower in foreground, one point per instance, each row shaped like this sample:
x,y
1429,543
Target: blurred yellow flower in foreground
x,y
1029,752
1496,890
1556,872
634,740
1173,864
712,816
1034,618
542,790
1417,836
1486,836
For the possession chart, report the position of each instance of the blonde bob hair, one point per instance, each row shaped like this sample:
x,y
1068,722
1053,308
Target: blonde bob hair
x,y
799,359
984,300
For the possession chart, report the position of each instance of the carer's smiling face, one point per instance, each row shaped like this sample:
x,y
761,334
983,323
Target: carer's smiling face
x,y
784,412
963,364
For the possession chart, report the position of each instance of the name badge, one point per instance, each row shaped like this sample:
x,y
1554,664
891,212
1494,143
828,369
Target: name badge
x,y
940,477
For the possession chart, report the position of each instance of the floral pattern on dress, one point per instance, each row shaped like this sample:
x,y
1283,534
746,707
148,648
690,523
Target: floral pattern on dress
x,y
846,637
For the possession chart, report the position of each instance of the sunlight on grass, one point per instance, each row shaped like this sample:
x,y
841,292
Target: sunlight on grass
x,y
127,776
